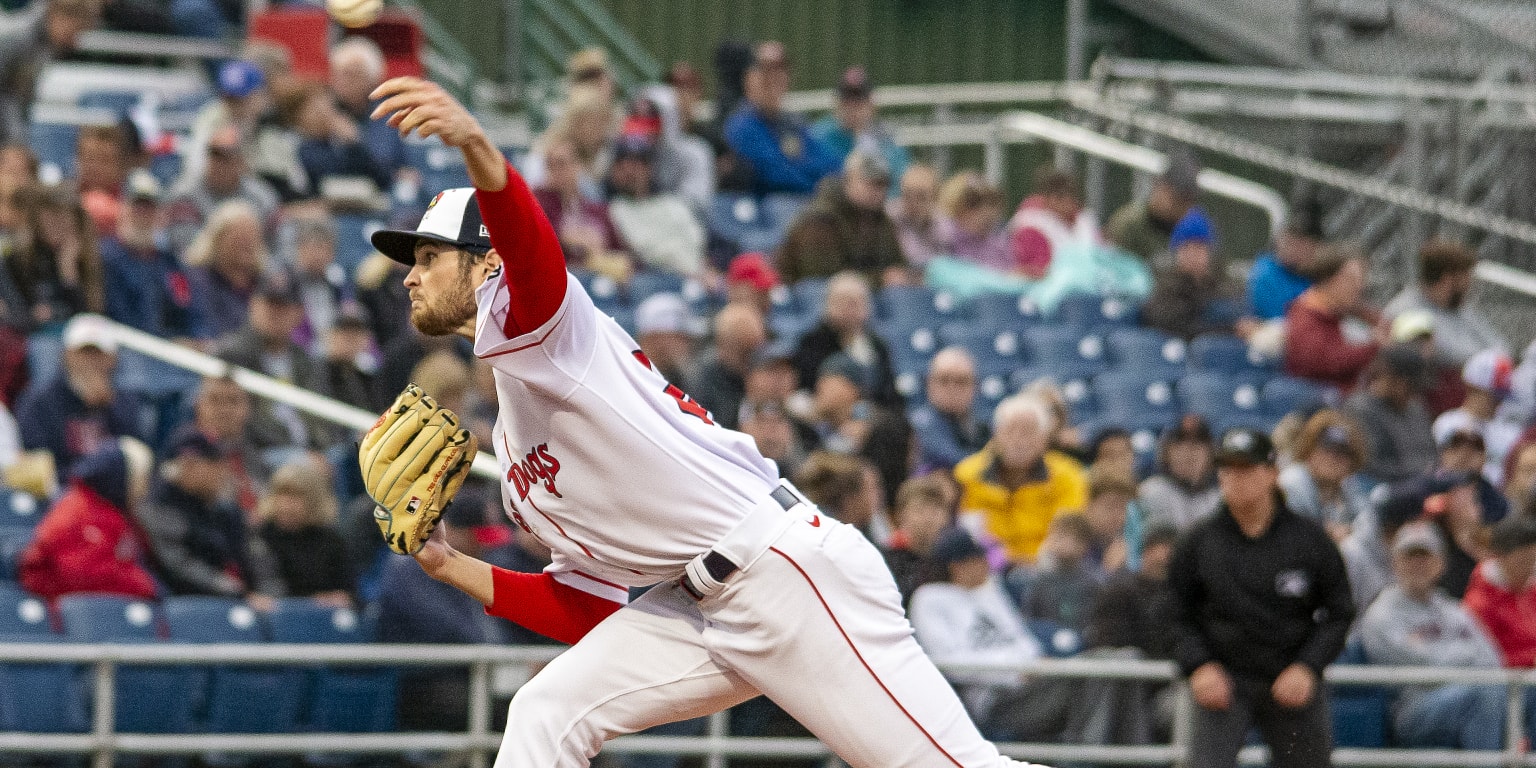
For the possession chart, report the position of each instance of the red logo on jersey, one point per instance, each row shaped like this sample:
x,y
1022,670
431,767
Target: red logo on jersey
x,y
538,465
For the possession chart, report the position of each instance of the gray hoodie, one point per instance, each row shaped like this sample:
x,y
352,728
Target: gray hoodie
x,y
1397,629
685,165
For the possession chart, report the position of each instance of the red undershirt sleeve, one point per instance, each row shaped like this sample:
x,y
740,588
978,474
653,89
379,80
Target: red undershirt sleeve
x,y
532,265
552,609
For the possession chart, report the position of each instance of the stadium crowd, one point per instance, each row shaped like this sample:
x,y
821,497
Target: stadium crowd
x,y
1076,475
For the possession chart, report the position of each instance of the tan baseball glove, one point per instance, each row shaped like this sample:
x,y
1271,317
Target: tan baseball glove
x,y
414,459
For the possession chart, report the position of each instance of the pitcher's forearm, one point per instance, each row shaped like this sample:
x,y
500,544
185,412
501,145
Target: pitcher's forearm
x,y
487,166
470,575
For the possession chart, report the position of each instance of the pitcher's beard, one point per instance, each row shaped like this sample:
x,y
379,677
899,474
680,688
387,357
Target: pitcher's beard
x,y
447,315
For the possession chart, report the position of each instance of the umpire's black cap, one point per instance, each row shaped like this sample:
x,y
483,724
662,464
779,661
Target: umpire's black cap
x,y
452,218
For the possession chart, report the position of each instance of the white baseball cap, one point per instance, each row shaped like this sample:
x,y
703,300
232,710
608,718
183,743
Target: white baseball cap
x,y
88,330
452,218
1490,370
666,313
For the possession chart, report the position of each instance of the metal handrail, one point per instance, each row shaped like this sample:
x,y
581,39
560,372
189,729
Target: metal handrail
x,y
103,742
319,406
1308,81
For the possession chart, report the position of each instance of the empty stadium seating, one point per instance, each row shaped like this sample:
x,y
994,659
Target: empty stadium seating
x,y
351,699
150,699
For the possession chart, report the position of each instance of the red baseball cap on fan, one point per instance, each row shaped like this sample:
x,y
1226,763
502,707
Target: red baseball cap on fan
x,y
752,268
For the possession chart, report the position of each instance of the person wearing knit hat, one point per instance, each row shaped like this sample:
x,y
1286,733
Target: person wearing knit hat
x,y
1142,226
1190,297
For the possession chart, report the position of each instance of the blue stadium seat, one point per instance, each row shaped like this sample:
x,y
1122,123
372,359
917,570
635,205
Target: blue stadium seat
x,y
782,208
784,323
810,295
116,102
36,698
342,699
1285,394
1092,311
13,541
352,245
19,509
166,168
995,348
646,283
1221,397
741,219
909,342
1077,390
1361,713
1227,354
605,293
229,691
1124,392
1056,640
1151,351
900,302
1007,309
150,699
1066,352
54,144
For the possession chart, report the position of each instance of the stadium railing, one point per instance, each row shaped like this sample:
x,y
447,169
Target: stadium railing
x,y
103,743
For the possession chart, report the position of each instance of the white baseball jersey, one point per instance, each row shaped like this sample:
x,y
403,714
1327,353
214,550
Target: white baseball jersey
x,y
620,473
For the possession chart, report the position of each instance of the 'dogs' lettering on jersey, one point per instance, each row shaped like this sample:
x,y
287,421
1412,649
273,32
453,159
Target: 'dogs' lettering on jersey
x,y
538,465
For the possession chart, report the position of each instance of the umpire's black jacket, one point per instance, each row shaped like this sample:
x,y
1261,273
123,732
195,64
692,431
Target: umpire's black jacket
x,y
1259,605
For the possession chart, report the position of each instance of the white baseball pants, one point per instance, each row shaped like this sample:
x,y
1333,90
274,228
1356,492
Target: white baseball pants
x,y
815,624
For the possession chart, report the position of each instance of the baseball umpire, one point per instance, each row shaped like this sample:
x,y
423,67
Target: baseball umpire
x,y
631,483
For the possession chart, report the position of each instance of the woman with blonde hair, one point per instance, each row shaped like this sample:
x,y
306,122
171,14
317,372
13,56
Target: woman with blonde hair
x,y
224,263
970,221
589,121
1329,450
298,527
54,260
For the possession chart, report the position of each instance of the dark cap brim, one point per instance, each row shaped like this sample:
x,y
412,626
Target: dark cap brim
x,y
400,244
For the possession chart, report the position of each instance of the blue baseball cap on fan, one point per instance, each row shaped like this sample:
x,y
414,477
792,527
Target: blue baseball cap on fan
x,y
239,78
452,218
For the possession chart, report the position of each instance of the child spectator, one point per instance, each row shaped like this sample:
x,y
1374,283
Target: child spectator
x,y
972,210
1134,609
1321,483
88,541
298,529
1183,491
968,619
1064,583
1114,520
1413,623
1500,595
922,511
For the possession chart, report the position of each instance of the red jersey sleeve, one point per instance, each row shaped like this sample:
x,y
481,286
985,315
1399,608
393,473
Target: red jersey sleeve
x,y
532,265
552,609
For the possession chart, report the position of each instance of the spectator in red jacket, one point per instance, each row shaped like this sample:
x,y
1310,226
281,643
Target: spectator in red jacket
x,y
1501,597
1321,340
87,541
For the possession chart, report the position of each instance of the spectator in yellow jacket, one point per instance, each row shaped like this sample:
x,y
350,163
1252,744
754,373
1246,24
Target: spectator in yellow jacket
x,y
1015,485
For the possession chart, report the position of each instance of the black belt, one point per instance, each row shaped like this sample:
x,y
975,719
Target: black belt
x,y
719,566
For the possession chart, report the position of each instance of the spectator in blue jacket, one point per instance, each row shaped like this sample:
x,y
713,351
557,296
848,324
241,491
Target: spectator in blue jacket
x,y
946,426
77,411
1281,275
852,124
146,285
776,146
358,67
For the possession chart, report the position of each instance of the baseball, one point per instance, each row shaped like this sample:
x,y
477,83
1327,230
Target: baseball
x,y
355,13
